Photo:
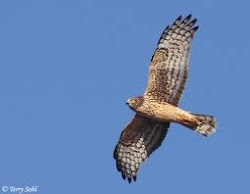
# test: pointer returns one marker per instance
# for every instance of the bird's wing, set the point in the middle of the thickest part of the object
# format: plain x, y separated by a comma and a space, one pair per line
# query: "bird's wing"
137, 141
168, 69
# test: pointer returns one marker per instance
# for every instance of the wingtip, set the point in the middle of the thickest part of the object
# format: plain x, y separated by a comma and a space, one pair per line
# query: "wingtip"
133, 179
178, 19
129, 178
195, 28
193, 22
189, 17
186, 20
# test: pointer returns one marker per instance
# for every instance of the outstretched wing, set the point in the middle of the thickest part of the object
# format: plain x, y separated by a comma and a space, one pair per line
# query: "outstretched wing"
138, 140
168, 69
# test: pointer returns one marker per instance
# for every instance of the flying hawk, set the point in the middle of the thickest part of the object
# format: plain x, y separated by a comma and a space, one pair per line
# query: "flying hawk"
158, 106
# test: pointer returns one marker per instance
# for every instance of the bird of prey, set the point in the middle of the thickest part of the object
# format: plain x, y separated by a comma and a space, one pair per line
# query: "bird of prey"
158, 106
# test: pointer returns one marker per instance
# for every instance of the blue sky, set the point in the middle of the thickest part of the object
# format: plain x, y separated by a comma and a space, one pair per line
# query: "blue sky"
67, 68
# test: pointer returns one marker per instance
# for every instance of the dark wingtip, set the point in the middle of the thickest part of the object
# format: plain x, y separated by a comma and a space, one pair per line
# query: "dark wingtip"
189, 17
129, 178
179, 18
195, 28
193, 21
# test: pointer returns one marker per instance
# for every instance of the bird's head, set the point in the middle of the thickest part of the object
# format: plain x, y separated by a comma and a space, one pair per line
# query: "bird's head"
134, 103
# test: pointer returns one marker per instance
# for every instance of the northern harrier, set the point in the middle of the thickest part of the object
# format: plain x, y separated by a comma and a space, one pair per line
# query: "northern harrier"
158, 106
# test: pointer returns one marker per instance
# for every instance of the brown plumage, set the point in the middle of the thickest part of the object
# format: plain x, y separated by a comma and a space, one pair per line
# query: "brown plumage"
168, 72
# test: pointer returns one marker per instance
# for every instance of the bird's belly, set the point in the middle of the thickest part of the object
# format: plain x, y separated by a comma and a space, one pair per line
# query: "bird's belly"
166, 114
161, 112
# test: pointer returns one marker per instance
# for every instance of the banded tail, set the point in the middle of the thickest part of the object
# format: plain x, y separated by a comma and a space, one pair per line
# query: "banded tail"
205, 124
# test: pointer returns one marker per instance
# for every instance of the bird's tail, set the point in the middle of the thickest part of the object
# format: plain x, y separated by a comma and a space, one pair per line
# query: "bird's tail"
204, 124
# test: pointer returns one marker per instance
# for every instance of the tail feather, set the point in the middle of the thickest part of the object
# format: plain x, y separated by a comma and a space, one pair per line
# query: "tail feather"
206, 125
203, 124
